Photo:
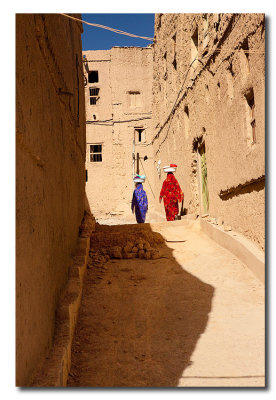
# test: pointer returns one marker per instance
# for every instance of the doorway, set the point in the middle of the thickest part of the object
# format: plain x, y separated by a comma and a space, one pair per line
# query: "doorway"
204, 194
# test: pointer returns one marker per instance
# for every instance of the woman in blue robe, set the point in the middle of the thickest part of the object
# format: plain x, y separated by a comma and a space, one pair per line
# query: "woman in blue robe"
139, 200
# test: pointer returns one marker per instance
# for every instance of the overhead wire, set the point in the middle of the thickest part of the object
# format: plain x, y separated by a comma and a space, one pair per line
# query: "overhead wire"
148, 178
253, 51
151, 39
109, 122
118, 31
173, 108
245, 51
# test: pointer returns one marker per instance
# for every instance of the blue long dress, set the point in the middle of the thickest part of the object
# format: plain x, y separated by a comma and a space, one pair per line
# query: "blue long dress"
140, 203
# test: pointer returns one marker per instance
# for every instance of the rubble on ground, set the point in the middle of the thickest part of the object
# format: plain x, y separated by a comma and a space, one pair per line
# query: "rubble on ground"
124, 246
141, 249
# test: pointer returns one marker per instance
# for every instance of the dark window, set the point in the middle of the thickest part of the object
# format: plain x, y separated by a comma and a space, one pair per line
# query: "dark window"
94, 95
194, 49
245, 47
95, 153
93, 77
174, 64
251, 103
195, 39
140, 132
94, 91
230, 67
186, 110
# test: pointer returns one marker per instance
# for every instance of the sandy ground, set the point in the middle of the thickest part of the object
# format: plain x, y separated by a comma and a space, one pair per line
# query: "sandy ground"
193, 318
151, 217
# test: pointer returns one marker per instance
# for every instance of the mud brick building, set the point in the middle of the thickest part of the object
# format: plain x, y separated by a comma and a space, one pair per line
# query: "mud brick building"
118, 96
209, 114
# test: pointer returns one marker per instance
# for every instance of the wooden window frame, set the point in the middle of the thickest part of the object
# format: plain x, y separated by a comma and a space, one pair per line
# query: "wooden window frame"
94, 96
95, 153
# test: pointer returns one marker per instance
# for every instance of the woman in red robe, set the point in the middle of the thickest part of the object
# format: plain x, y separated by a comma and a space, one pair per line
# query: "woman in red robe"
171, 194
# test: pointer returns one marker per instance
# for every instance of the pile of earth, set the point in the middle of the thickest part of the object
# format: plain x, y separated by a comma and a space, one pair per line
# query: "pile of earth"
124, 242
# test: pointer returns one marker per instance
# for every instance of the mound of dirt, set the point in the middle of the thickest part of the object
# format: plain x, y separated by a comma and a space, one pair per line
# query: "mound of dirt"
124, 242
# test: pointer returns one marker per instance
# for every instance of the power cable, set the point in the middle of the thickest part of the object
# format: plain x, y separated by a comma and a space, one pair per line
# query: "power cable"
217, 50
148, 178
173, 108
108, 28
106, 122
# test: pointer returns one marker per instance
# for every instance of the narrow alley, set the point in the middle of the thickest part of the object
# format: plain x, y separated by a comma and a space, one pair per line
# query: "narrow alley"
194, 317
140, 200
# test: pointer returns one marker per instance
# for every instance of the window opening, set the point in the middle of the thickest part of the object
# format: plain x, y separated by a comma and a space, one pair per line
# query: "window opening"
134, 98
251, 107
245, 57
230, 68
186, 110
140, 134
203, 179
205, 31
186, 121
245, 48
174, 63
218, 85
94, 95
230, 87
194, 48
93, 77
195, 39
95, 153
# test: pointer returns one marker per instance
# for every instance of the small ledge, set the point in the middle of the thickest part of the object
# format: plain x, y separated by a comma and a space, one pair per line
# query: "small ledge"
235, 190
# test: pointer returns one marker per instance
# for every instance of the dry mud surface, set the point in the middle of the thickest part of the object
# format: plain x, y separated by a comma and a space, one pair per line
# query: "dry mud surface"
194, 317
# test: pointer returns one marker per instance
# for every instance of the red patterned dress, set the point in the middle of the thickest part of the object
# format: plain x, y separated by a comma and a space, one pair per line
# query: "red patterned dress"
171, 194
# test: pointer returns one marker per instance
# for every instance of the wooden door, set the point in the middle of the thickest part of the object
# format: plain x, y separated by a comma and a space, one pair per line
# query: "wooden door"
204, 182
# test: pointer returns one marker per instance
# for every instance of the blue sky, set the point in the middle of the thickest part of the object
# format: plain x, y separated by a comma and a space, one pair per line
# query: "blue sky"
100, 39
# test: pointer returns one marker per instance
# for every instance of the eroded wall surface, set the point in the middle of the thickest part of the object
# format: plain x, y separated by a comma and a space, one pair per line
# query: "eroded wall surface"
121, 112
209, 89
50, 177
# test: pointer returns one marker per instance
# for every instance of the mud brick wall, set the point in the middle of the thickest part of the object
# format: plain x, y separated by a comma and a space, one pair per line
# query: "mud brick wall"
112, 122
50, 176
213, 102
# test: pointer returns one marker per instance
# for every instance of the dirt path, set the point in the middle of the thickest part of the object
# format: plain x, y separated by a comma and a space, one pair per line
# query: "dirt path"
192, 318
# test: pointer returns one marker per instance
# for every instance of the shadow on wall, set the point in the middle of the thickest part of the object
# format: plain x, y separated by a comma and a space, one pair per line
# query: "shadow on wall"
248, 187
140, 320
87, 209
